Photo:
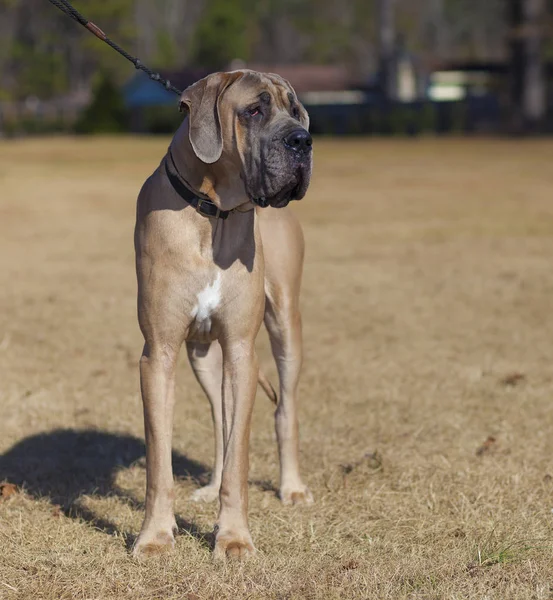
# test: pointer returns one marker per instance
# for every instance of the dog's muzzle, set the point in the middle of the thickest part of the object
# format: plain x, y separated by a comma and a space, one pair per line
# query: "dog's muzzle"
297, 148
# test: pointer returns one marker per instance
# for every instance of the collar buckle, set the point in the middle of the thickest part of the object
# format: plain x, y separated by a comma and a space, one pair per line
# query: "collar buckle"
216, 210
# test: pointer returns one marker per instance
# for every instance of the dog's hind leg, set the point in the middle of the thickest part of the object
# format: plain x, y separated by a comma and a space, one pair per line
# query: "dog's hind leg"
284, 249
283, 322
207, 363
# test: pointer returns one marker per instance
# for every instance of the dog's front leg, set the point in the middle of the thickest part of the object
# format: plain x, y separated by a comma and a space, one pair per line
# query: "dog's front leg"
240, 371
157, 382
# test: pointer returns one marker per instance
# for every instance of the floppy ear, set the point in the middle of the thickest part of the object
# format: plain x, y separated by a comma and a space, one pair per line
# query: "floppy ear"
203, 99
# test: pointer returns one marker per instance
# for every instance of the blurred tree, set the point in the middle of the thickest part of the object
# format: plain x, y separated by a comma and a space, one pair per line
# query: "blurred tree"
113, 16
107, 112
45, 53
164, 30
326, 38
34, 63
166, 55
222, 34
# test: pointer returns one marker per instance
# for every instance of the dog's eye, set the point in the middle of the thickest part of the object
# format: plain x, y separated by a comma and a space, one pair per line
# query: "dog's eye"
296, 112
253, 112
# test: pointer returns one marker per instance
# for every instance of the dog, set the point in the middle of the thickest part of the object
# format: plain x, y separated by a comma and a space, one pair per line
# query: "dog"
218, 252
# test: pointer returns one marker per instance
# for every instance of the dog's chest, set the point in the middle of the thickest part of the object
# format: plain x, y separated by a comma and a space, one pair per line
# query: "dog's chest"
207, 301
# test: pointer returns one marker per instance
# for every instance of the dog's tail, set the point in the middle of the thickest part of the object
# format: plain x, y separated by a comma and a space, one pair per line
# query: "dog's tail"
267, 387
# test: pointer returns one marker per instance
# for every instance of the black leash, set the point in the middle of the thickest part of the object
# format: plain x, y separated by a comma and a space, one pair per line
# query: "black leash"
203, 205
67, 9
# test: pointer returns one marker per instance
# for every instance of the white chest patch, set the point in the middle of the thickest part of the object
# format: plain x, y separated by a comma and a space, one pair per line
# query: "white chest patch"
208, 300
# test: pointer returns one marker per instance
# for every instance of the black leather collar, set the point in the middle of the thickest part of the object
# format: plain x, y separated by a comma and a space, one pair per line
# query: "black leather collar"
203, 205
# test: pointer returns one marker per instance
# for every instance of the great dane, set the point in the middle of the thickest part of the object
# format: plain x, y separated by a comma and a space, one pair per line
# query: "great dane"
217, 251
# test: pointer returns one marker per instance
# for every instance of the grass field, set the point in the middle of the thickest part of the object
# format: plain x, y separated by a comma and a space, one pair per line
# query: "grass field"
426, 396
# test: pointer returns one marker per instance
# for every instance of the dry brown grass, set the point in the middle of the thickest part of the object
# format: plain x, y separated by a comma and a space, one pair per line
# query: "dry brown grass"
426, 407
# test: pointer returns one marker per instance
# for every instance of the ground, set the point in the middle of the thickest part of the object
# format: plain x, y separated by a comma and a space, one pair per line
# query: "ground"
426, 397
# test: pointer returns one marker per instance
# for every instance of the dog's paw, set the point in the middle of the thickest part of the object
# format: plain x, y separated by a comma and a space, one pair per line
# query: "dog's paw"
233, 545
154, 540
147, 546
299, 494
208, 493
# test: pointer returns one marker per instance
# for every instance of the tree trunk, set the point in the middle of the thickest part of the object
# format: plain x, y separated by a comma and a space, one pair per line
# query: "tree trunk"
527, 70
534, 101
387, 50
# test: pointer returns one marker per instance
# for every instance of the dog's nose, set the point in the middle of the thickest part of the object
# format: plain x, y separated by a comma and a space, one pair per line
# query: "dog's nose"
299, 140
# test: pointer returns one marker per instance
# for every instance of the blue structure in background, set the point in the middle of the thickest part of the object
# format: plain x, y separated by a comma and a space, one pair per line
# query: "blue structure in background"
142, 96
142, 91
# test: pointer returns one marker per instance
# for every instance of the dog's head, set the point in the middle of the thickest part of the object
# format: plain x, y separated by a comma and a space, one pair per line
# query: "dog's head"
254, 126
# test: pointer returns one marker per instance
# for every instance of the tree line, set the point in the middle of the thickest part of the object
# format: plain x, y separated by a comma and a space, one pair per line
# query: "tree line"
44, 53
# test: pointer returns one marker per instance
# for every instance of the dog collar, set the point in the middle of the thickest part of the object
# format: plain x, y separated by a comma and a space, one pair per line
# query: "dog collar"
204, 206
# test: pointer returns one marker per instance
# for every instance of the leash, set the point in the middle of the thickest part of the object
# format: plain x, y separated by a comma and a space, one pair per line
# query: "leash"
202, 205
67, 9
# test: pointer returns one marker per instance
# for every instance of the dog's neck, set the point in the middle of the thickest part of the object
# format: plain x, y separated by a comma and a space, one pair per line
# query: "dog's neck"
226, 193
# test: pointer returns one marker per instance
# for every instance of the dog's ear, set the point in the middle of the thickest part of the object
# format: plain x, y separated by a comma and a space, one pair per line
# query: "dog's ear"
203, 99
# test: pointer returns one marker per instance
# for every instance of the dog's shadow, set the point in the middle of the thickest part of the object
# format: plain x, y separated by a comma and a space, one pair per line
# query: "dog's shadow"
65, 464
